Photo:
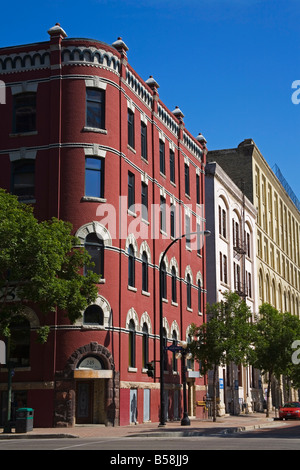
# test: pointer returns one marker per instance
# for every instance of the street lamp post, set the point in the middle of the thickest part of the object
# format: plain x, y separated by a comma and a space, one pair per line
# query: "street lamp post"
162, 350
184, 354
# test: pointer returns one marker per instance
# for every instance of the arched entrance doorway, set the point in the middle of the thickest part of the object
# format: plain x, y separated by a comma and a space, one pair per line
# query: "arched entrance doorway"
93, 387
91, 390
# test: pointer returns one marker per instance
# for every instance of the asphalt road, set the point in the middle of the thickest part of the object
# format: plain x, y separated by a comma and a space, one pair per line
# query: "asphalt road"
158, 450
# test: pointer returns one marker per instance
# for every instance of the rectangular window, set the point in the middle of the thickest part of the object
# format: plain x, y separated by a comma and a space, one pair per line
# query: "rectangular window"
162, 214
187, 179
188, 230
24, 113
130, 128
221, 266
224, 223
95, 108
23, 179
94, 177
144, 201
237, 277
249, 285
144, 152
131, 191
162, 157
198, 240
173, 221
172, 166
198, 188
248, 245
225, 268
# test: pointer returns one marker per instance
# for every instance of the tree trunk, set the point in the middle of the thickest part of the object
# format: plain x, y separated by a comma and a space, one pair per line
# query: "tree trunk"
215, 394
268, 394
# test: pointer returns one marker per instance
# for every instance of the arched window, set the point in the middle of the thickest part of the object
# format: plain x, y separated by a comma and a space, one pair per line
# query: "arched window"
95, 249
279, 298
131, 266
131, 345
145, 345
189, 362
260, 287
20, 342
199, 296
174, 360
144, 272
188, 291
174, 287
164, 280
93, 315
165, 338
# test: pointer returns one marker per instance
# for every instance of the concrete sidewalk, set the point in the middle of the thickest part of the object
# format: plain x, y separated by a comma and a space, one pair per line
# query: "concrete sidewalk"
226, 424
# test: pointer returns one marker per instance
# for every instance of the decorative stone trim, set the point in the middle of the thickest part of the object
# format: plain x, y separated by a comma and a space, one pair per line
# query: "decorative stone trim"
94, 227
65, 386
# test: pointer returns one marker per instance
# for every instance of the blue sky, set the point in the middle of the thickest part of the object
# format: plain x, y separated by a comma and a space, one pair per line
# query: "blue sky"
228, 64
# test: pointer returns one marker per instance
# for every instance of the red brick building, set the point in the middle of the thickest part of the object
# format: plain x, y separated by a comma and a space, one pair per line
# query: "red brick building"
85, 139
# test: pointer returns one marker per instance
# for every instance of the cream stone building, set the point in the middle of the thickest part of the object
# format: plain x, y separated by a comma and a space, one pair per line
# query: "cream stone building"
231, 266
277, 227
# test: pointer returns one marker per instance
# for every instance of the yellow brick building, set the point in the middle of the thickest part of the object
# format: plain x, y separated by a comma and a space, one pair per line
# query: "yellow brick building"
277, 225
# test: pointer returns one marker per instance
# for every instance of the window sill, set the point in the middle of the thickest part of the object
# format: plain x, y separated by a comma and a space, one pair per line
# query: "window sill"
162, 174
133, 214
144, 160
92, 199
17, 368
92, 327
175, 304
165, 300
28, 201
131, 148
132, 369
133, 289
223, 238
22, 134
147, 294
189, 309
94, 129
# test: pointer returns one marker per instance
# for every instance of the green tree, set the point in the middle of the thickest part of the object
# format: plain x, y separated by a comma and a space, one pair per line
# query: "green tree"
40, 264
226, 337
275, 333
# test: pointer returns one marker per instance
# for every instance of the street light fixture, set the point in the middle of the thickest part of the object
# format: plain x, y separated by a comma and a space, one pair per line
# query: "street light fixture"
162, 350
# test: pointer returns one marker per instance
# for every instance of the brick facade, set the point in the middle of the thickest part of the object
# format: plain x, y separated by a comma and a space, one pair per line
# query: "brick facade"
60, 145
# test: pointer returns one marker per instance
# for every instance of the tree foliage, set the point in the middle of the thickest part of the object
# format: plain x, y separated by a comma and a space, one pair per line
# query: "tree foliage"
275, 333
40, 264
226, 337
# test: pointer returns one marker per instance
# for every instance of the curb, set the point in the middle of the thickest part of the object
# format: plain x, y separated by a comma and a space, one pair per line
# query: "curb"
37, 436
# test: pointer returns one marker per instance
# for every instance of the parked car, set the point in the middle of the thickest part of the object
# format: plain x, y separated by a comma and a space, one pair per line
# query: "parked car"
290, 410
